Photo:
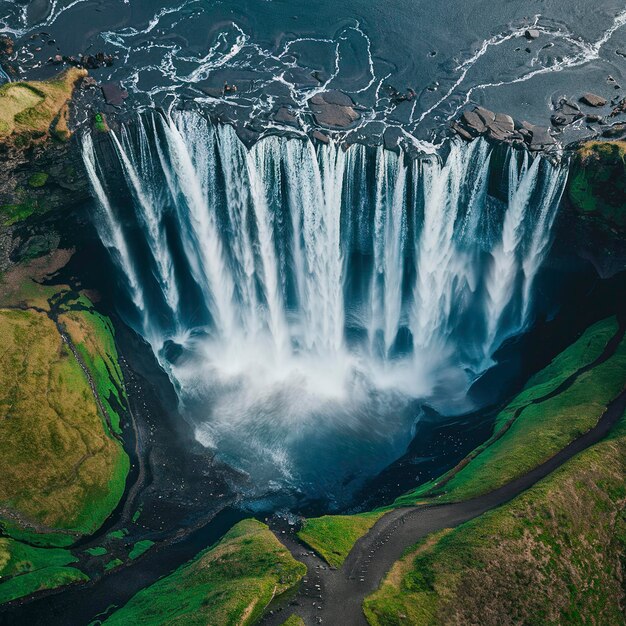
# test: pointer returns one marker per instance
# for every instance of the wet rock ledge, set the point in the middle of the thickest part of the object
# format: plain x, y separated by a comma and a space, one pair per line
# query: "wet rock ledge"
500, 127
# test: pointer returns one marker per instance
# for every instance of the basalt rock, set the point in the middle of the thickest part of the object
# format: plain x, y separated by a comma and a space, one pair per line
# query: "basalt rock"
592, 100
501, 128
333, 109
285, 116
566, 113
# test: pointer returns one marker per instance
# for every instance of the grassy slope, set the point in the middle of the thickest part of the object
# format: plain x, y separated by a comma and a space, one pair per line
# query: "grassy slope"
33, 107
28, 569
61, 469
541, 429
332, 536
554, 555
228, 584
539, 432
93, 336
33, 112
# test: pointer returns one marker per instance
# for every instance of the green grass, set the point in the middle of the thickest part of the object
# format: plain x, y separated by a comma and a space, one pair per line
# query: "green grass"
24, 568
294, 620
113, 564
118, 534
96, 551
541, 429
38, 179
553, 555
47, 578
228, 584
139, 548
30, 109
93, 336
332, 536
61, 469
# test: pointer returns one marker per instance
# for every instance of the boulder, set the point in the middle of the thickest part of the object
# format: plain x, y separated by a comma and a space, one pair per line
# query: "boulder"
114, 94
333, 109
459, 130
285, 116
531, 34
485, 115
392, 137
592, 100
540, 138
566, 113
318, 135
474, 123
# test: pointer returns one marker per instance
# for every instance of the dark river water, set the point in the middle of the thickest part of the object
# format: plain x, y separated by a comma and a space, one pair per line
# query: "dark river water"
450, 53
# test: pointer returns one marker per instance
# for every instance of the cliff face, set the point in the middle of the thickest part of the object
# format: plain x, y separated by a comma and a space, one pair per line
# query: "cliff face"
42, 171
594, 212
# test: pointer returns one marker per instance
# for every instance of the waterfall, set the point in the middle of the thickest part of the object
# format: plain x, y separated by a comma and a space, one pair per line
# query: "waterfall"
299, 285
274, 236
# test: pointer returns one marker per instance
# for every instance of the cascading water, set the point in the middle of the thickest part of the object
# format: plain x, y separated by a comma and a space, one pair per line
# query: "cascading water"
304, 299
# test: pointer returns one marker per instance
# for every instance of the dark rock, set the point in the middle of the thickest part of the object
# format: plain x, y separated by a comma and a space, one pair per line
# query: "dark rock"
485, 115
334, 109
566, 113
459, 130
616, 131
592, 100
474, 123
528, 50
541, 139
531, 34
285, 116
213, 92
593, 119
114, 94
619, 108
318, 135
333, 97
392, 137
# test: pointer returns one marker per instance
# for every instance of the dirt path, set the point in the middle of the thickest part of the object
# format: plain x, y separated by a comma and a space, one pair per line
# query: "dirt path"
336, 596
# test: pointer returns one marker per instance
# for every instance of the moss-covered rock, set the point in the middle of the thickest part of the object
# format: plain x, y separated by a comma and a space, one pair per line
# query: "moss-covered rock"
597, 181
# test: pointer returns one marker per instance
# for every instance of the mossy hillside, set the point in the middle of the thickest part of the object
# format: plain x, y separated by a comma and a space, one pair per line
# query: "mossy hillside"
333, 536
554, 555
541, 428
226, 585
61, 468
37, 109
597, 183
46, 578
93, 336
294, 620
25, 569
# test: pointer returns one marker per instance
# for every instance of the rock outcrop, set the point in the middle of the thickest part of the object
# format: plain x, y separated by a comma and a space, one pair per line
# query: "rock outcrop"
42, 170
499, 127
333, 109
592, 100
